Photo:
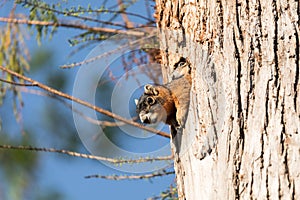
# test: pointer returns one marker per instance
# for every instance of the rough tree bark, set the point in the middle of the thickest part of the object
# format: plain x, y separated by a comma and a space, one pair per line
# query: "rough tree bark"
241, 139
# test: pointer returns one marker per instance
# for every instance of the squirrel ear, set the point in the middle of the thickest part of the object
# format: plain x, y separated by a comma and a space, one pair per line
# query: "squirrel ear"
150, 89
155, 91
136, 101
147, 88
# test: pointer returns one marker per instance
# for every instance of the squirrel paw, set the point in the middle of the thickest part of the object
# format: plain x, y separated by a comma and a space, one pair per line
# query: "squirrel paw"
181, 118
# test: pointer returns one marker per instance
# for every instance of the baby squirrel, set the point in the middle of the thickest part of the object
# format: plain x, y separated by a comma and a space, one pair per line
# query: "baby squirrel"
170, 102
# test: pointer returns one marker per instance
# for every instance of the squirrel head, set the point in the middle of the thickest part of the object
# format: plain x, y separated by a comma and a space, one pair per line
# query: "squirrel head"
181, 68
155, 104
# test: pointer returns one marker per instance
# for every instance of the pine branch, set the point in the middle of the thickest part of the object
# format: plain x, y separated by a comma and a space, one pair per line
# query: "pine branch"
71, 25
75, 13
84, 103
72, 14
126, 46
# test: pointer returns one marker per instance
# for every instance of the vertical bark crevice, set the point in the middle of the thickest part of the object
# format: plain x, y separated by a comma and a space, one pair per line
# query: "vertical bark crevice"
275, 49
247, 8
251, 184
262, 145
237, 17
279, 188
297, 60
258, 35
293, 190
282, 133
267, 182
265, 132
214, 138
238, 154
230, 132
287, 171
179, 15
275, 39
251, 63
220, 27
267, 107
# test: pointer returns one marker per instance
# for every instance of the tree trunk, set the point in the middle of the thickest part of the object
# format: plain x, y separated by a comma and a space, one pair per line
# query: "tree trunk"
241, 139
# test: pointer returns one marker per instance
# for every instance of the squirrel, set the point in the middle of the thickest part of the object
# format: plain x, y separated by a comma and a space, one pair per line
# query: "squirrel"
169, 102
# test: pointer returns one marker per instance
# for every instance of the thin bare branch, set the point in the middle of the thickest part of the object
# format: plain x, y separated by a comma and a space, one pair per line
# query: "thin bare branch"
84, 103
125, 18
87, 156
17, 84
131, 177
71, 25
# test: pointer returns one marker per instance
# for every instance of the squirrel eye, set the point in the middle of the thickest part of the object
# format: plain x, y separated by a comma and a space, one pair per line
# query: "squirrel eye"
181, 64
150, 100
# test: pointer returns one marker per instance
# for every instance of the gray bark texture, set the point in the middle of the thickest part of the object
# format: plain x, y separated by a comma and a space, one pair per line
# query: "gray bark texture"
241, 139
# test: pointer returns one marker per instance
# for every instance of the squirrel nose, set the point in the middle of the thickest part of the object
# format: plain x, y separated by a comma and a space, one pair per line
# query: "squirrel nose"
146, 120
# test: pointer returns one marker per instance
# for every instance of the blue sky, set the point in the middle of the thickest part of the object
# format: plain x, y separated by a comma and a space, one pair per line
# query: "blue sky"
61, 172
